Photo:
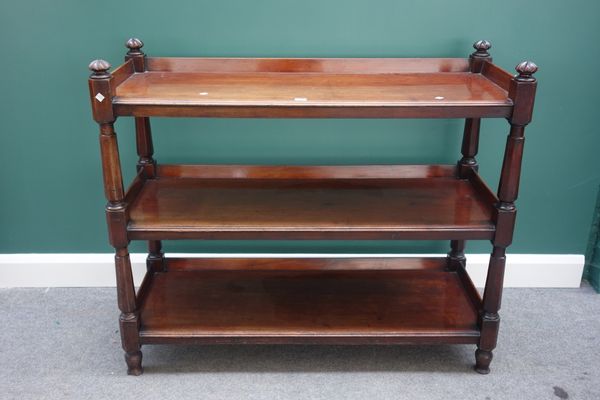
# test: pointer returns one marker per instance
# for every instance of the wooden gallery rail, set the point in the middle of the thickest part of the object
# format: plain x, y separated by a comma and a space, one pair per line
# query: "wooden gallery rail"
308, 300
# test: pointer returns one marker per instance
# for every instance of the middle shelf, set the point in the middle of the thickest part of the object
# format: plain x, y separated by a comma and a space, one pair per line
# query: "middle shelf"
378, 202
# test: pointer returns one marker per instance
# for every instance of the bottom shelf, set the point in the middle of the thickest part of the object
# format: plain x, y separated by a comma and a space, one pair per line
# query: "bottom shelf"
344, 301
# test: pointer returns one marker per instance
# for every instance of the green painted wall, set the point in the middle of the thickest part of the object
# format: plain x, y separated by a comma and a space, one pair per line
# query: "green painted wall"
51, 198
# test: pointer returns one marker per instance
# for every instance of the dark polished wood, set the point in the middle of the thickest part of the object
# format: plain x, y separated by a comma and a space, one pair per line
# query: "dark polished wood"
308, 306
313, 111
480, 56
307, 264
456, 256
101, 92
204, 171
116, 212
307, 65
497, 75
135, 54
312, 300
284, 89
122, 73
316, 208
467, 166
522, 92
308, 88
313, 94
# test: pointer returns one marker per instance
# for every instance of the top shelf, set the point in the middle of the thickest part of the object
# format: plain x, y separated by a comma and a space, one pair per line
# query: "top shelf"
311, 88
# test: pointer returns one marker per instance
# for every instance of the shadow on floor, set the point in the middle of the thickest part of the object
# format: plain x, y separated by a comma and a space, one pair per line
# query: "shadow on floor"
252, 358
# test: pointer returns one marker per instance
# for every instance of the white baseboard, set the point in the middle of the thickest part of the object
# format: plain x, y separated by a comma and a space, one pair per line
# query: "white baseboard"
93, 270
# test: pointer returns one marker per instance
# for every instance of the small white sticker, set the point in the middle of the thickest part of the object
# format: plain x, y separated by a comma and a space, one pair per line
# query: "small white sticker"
439, 97
99, 97
300, 99
203, 93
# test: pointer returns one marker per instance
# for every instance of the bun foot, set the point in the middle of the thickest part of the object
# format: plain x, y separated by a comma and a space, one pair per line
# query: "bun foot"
483, 358
134, 363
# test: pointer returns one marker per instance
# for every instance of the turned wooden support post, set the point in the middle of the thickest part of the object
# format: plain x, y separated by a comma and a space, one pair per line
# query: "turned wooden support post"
456, 257
101, 98
470, 143
522, 92
469, 149
145, 148
155, 262
143, 134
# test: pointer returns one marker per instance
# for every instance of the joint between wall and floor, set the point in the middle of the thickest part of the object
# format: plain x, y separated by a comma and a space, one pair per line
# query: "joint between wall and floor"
97, 270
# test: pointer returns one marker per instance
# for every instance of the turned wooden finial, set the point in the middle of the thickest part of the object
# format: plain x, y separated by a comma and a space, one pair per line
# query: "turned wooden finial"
481, 49
526, 69
99, 69
134, 45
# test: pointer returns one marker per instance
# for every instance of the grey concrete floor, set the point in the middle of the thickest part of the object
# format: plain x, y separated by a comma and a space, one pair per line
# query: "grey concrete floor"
64, 344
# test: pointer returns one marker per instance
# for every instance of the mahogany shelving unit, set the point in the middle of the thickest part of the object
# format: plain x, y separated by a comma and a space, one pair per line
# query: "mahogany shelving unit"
307, 300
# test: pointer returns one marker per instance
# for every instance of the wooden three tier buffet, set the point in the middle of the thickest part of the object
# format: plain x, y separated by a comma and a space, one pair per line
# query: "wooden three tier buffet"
309, 300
